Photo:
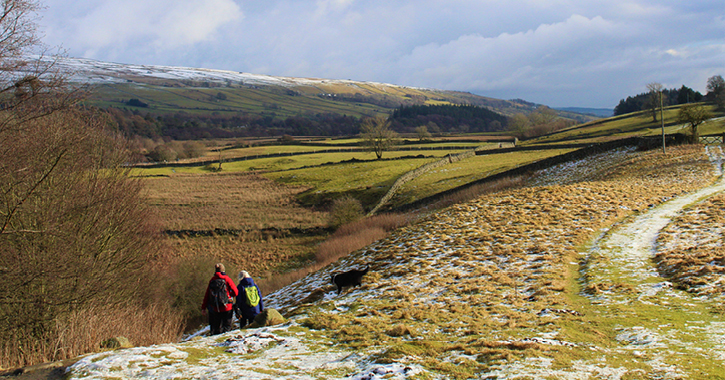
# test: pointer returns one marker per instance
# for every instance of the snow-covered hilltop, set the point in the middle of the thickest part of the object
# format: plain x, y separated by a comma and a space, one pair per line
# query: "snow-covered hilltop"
89, 70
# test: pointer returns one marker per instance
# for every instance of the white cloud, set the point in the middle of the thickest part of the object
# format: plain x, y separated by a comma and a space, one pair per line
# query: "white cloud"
116, 27
489, 63
553, 52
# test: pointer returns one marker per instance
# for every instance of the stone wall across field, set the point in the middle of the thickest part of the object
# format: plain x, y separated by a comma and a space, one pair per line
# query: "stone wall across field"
409, 176
585, 150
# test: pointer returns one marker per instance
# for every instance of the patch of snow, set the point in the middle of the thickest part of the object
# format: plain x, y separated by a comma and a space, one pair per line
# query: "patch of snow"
251, 354
640, 336
389, 371
88, 70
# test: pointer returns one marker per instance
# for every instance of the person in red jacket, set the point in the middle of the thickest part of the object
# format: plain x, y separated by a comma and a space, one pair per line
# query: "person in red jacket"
218, 301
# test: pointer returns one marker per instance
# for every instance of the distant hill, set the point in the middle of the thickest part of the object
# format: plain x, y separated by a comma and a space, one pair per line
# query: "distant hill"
598, 112
191, 103
170, 89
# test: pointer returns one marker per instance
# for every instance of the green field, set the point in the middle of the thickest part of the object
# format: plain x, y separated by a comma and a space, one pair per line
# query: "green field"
463, 172
636, 124
201, 101
329, 173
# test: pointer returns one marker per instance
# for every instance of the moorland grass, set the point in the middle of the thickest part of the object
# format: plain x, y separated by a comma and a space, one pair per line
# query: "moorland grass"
697, 266
259, 101
520, 257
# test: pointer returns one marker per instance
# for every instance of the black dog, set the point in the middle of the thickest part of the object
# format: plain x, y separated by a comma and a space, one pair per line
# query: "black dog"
349, 278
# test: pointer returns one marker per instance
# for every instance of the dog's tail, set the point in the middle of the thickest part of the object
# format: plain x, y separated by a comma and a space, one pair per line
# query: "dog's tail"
332, 278
364, 271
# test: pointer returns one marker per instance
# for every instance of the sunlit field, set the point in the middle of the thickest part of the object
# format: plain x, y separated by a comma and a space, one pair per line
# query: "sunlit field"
467, 171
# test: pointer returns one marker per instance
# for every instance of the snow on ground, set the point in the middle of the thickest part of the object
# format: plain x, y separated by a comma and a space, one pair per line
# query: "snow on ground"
263, 353
456, 243
107, 72
631, 247
582, 169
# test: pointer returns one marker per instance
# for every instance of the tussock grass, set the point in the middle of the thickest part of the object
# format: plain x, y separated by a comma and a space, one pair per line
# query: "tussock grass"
477, 274
700, 267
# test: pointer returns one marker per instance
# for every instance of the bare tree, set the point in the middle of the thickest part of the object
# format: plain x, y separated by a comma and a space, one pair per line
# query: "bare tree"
716, 91
422, 132
74, 232
520, 124
655, 102
24, 79
542, 115
377, 135
694, 114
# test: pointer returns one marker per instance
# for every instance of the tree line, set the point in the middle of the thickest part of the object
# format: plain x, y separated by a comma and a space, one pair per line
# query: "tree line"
405, 119
186, 126
447, 118
683, 95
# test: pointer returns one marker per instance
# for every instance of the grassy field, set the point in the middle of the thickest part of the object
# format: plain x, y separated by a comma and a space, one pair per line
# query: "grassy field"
259, 101
637, 124
261, 200
460, 173
245, 205
227, 201
292, 162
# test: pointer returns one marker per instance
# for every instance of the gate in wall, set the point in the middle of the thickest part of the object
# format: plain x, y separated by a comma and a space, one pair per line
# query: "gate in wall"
712, 139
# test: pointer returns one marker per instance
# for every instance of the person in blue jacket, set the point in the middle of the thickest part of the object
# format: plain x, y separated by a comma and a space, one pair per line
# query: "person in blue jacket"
249, 299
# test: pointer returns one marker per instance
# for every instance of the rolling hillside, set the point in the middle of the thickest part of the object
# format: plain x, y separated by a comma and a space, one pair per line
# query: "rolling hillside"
165, 89
525, 283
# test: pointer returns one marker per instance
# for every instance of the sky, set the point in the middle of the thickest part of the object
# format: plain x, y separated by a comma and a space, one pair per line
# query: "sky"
561, 53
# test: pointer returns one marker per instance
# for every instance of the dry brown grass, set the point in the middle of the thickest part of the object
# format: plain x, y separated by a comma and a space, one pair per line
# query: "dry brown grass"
698, 267
85, 330
227, 201
476, 191
346, 239
488, 266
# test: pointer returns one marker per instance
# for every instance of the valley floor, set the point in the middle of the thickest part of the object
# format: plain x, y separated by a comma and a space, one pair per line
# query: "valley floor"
557, 279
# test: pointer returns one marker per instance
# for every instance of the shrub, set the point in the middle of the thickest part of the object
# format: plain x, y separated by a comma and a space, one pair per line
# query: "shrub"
89, 329
193, 149
77, 235
162, 153
345, 210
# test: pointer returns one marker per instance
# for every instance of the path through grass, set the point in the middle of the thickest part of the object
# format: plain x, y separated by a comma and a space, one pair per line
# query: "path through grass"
654, 321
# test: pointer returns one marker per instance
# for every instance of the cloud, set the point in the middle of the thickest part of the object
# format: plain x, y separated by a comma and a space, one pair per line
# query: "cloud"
116, 27
490, 63
553, 52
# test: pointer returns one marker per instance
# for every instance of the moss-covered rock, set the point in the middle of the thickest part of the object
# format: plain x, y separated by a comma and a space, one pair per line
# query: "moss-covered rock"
116, 342
269, 317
